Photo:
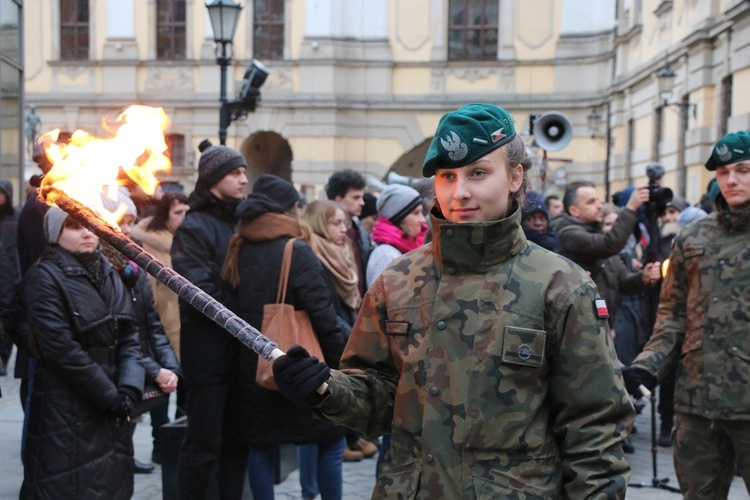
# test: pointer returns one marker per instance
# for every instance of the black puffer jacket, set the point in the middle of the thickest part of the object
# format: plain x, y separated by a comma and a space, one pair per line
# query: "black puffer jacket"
208, 353
87, 348
270, 417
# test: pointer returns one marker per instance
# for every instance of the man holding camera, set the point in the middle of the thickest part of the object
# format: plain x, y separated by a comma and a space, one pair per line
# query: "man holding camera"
703, 325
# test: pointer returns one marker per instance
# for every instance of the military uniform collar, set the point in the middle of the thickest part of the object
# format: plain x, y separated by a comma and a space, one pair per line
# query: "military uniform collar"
732, 221
475, 247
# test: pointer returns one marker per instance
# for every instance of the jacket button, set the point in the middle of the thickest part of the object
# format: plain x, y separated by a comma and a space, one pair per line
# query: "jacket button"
430, 458
434, 391
441, 325
451, 270
449, 233
716, 299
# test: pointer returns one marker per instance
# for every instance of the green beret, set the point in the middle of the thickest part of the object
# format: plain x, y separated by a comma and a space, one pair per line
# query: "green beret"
467, 134
731, 148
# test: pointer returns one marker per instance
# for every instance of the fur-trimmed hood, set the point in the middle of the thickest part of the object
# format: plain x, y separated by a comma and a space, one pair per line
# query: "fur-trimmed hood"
160, 240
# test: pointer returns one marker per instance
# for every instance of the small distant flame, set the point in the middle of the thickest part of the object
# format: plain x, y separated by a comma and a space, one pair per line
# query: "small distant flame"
664, 268
88, 166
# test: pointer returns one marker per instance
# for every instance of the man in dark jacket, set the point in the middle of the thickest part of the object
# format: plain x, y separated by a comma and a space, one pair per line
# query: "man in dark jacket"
210, 356
535, 222
579, 233
347, 189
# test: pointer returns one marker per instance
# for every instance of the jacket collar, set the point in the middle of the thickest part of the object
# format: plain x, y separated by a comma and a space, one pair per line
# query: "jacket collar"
729, 220
69, 264
475, 247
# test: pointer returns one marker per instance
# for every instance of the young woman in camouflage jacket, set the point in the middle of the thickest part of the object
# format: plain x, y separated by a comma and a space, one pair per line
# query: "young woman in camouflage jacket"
488, 359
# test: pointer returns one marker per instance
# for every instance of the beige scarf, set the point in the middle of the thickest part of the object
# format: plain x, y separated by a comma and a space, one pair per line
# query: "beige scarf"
339, 262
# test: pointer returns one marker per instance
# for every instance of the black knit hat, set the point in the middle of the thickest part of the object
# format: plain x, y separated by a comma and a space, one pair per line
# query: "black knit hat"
370, 206
216, 162
270, 194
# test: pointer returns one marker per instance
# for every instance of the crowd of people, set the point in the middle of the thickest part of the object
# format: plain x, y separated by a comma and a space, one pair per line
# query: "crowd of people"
486, 339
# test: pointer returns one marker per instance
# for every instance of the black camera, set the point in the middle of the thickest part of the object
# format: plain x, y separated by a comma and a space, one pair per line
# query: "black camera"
659, 197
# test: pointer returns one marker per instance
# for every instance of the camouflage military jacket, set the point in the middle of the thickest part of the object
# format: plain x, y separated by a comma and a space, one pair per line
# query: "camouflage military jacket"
482, 354
703, 321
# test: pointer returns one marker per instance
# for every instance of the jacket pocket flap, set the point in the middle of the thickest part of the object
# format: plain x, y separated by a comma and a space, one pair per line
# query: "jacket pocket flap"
523, 346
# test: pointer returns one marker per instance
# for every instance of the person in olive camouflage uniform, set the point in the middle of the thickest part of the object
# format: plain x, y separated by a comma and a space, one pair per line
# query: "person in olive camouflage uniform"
703, 325
483, 354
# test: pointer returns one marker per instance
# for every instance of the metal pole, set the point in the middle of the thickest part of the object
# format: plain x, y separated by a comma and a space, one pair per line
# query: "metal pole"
223, 61
607, 154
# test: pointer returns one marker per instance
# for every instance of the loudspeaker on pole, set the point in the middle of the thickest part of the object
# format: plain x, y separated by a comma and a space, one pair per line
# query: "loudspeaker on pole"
553, 131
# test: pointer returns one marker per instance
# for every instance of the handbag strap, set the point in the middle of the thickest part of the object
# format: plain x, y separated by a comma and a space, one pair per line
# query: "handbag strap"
286, 265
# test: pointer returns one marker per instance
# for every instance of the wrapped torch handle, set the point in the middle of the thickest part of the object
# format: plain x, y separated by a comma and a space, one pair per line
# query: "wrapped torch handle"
187, 291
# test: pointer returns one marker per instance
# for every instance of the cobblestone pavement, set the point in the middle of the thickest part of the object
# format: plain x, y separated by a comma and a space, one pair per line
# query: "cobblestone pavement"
359, 477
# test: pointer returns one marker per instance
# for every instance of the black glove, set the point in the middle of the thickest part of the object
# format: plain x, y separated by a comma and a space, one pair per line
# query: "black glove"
298, 376
123, 406
635, 377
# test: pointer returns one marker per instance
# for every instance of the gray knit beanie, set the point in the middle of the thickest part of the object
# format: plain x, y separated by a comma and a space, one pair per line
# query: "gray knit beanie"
53, 223
216, 162
397, 201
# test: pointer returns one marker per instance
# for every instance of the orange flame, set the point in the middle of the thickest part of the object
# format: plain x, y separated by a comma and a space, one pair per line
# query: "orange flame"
664, 268
88, 166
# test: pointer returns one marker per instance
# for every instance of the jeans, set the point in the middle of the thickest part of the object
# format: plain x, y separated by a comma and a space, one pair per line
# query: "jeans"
159, 417
261, 471
320, 469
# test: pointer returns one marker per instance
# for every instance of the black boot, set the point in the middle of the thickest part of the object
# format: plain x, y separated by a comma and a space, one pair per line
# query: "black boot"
665, 437
141, 468
627, 446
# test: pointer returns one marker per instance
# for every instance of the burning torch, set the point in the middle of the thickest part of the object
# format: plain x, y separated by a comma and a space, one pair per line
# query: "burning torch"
81, 170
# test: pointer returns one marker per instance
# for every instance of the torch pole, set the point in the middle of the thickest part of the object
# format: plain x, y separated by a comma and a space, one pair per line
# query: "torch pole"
187, 291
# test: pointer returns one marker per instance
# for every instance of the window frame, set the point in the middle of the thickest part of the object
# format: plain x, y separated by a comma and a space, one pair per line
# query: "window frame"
487, 25
80, 31
171, 52
263, 44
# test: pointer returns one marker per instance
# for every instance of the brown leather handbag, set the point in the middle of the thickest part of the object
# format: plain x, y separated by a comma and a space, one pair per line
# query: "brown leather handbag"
284, 325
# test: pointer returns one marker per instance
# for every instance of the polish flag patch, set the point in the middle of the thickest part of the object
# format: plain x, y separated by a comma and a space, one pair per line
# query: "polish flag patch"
601, 308
497, 134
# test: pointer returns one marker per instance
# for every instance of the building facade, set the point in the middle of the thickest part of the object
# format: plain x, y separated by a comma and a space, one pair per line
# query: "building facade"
12, 123
361, 84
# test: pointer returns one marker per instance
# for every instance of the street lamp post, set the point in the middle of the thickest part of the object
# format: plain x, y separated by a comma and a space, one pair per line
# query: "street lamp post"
594, 120
224, 15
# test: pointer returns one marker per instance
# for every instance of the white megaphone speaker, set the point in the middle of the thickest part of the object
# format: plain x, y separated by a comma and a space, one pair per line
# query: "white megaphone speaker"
375, 184
553, 131
394, 178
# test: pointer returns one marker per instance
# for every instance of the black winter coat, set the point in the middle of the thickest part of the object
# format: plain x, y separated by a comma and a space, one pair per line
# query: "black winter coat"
270, 417
208, 353
585, 244
87, 348
156, 350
